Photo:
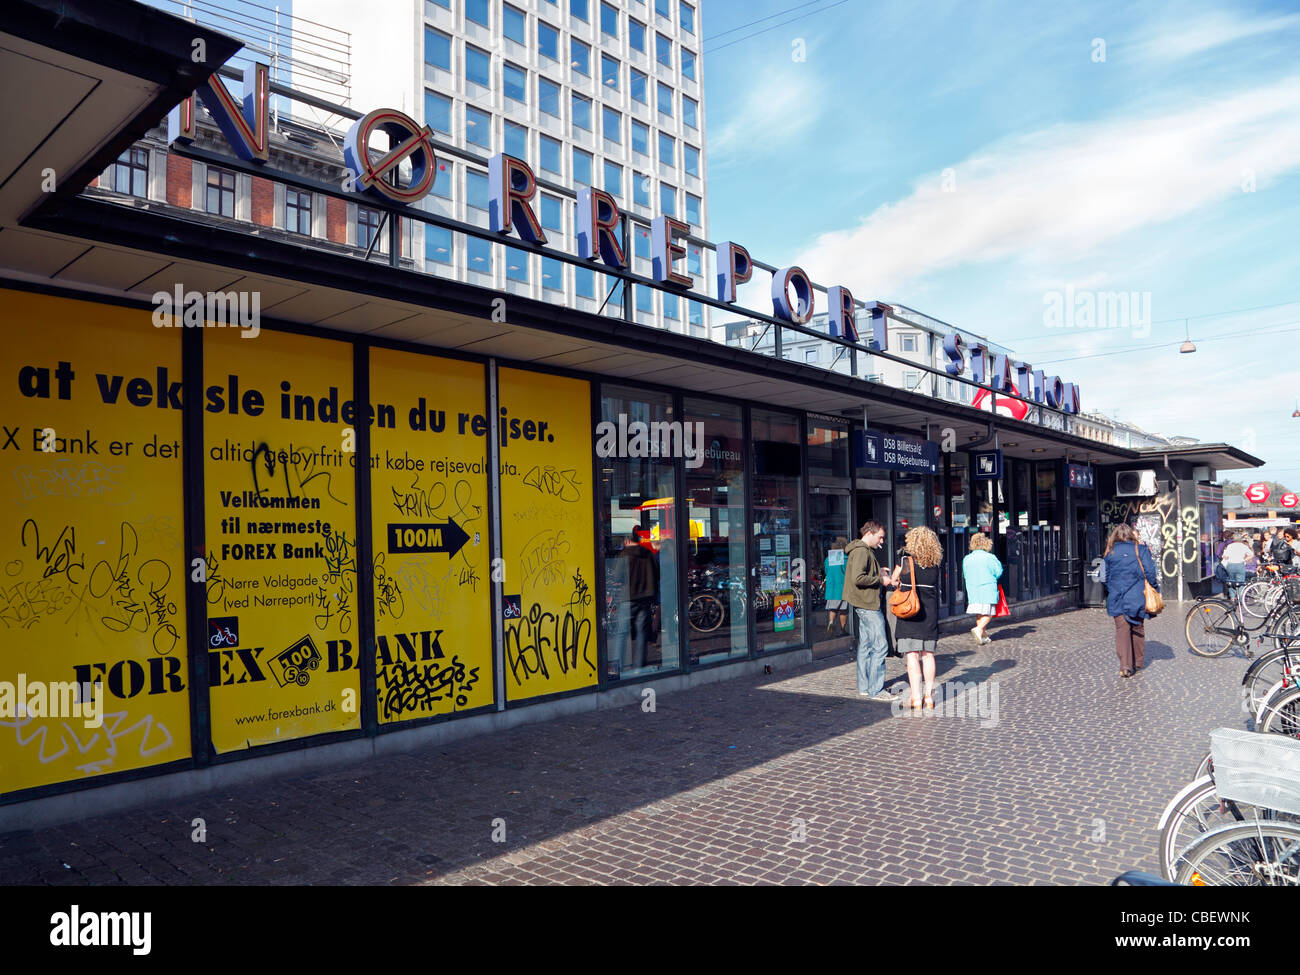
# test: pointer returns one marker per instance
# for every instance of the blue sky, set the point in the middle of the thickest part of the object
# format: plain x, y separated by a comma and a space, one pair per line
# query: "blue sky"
974, 159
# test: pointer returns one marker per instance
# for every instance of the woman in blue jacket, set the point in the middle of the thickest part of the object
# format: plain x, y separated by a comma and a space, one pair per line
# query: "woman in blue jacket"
981, 571
1129, 566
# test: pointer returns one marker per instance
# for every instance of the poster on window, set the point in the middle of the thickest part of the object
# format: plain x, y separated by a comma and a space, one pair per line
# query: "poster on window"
94, 676
429, 513
547, 532
783, 612
279, 488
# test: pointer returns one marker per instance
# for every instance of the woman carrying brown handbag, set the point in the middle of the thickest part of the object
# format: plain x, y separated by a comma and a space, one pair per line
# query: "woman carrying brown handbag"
917, 635
1129, 569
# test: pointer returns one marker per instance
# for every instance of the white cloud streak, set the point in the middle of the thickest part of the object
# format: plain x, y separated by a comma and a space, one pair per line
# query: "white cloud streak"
778, 110
1061, 193
1209, 32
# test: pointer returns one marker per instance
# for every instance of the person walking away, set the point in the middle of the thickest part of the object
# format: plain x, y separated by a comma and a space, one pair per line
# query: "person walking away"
918, 636
837, 606
863, 584
1236, 555
642, 594
981, 571
1129, 566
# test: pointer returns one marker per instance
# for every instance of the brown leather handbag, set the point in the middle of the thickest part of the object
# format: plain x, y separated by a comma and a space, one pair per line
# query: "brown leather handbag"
1155, 602
906, 603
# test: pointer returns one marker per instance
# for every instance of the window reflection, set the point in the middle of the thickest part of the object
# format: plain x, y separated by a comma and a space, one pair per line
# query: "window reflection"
715, 495
778, 530
640, 548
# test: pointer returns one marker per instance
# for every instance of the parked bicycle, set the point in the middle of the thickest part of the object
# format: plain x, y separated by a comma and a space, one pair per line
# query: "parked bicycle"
1262, 596
1216, 624
1240, 826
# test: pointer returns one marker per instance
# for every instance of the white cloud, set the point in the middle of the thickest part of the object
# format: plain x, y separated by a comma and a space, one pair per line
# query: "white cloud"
780, 108
1061, 193
1211, 31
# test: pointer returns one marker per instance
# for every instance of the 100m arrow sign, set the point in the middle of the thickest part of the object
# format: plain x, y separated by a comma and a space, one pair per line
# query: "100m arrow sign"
435, 536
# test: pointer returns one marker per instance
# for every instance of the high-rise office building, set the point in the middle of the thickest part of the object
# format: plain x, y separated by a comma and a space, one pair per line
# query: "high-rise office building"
603, 93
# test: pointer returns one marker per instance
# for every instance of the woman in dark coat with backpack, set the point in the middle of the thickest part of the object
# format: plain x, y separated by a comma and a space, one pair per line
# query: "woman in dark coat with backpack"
1129, 566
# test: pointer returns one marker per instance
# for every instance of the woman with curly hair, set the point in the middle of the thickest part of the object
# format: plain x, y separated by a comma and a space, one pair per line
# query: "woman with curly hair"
917, 636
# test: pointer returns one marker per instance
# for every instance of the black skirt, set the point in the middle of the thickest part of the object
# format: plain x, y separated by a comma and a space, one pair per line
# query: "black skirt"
925, 624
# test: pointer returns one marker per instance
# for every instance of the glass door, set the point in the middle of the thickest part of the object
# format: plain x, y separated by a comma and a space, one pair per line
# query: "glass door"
829, 533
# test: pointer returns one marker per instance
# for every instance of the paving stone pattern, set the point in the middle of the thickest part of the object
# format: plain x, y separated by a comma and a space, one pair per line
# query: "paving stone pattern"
788, 778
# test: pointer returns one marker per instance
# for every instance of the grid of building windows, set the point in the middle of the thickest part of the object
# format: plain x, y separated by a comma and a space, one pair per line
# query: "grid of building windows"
590, 93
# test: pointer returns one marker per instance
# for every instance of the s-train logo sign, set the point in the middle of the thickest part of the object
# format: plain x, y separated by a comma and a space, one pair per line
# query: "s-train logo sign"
512, 187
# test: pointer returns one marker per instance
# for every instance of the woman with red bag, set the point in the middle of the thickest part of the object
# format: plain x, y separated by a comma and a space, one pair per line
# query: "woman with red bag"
981, 571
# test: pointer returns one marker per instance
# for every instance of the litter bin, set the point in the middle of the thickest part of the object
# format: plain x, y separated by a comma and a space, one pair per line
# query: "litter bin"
1094, 589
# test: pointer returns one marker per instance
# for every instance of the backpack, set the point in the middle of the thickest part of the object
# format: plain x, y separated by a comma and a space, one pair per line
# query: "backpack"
1280, 549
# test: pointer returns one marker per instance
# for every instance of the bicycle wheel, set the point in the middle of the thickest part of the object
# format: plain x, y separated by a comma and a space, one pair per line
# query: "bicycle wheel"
1254, 854
1254, 597
705, 613
1280, 713
1195, 811
1211, 628
1272, 669
1282, 627
1205, 766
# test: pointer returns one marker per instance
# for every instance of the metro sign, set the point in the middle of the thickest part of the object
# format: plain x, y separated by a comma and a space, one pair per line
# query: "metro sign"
1010, 406
1288, 500
1258, 493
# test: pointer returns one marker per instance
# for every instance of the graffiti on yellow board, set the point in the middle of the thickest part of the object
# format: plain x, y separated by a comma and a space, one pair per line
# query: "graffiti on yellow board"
92, 558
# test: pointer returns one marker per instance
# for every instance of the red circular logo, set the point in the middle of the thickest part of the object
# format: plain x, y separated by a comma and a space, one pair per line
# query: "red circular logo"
1257, 493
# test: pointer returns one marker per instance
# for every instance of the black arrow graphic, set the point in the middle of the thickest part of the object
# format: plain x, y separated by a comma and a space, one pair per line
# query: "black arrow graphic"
430, 536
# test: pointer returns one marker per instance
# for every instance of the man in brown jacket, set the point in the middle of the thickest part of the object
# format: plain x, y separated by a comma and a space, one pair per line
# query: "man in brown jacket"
864, 583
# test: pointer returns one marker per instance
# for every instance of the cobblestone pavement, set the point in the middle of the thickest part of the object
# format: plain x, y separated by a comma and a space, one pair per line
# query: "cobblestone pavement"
789, 778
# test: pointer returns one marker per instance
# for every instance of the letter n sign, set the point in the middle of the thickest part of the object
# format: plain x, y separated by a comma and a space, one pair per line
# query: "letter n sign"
245, 125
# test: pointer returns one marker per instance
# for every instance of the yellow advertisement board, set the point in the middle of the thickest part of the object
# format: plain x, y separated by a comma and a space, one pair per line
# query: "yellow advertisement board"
429, 518
93, 671
280, 521
547, 533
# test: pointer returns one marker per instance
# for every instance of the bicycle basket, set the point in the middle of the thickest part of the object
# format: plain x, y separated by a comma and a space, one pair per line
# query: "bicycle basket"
1292, 587
1261, 769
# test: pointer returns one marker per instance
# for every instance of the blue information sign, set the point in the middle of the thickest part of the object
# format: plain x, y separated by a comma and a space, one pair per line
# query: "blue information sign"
895, 452
988, 465
1080, 476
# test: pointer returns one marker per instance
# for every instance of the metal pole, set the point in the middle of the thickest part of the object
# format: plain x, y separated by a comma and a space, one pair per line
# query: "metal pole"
497, 587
